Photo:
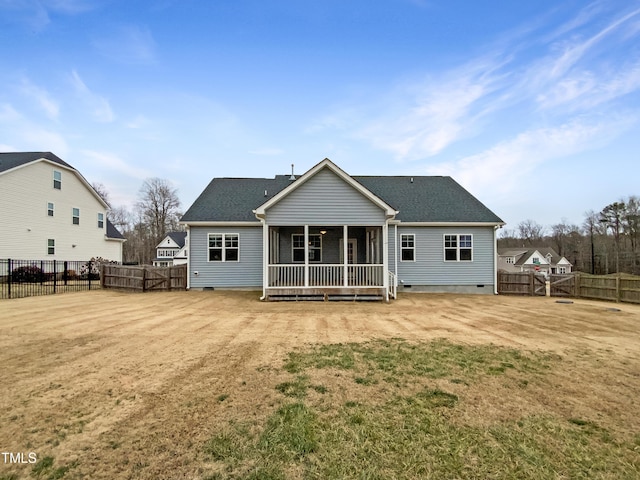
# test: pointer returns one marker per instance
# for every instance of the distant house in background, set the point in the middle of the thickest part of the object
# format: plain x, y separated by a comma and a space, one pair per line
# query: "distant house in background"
172, 250
543, 260
48, 211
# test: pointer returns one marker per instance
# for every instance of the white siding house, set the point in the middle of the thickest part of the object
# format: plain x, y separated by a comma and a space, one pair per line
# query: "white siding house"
48, 211
172, 250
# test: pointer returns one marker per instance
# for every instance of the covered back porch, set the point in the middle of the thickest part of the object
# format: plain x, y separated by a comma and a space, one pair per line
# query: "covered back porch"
310, 260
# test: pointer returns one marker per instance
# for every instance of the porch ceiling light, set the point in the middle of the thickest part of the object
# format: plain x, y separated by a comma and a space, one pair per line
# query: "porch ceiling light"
323, 231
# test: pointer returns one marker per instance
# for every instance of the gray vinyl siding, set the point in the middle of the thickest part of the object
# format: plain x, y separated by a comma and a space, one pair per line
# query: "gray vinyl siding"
429, 267
392, 248
245, 273
325, 199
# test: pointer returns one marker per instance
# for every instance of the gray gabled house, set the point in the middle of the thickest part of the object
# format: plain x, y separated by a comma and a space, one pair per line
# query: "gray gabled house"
329, 233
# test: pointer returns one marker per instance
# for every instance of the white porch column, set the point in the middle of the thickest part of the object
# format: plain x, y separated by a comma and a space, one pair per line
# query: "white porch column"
345, 257
385, 259
306, 255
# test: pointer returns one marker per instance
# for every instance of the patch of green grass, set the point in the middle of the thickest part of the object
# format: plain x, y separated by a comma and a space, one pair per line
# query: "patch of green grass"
290, 432
405, 425
296, 388
42, 465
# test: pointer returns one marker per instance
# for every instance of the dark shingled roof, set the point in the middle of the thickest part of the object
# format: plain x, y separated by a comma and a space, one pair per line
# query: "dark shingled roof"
178, 237
16, 159
113, 232
426, 199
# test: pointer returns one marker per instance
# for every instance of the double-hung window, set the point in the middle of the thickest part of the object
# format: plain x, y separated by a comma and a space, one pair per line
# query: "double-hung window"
49, 209
315, 247
101, 220
57, 180
407, 247
51, 246
75, 216
224, 247
458, 248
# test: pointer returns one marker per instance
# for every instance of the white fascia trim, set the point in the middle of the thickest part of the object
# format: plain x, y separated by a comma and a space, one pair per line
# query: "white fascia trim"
450, 224
326, 163
221, 224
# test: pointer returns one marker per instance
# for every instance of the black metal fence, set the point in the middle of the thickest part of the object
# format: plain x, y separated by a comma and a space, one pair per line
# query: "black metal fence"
26, 278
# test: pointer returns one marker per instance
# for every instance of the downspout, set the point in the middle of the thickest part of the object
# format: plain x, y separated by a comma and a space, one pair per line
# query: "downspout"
188, 243
495, 259
265, 254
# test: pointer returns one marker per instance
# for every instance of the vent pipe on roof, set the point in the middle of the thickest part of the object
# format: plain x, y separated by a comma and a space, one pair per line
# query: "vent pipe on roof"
292, 177
411, 179
266, 194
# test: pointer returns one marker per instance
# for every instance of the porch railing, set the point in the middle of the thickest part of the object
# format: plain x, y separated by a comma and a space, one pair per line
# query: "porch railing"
326, 275
393, 285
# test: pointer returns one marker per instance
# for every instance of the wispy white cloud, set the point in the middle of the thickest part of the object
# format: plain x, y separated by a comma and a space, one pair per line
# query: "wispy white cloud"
42, 98
36, 13
140, 121
113, 163
131, 44
98, 105
440, 112
27, 135
525, 82
507, 166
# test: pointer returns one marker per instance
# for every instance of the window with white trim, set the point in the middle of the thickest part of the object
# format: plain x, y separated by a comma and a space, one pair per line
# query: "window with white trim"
224, 247
458, 248
562, 270
49, 209
75, 216
297, 247
51, 246
167, 252
57, 180
100, 220
509, 259
408, 247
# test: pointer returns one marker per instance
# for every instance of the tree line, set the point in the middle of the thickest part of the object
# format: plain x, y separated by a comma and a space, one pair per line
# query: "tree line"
606, 242
155, 213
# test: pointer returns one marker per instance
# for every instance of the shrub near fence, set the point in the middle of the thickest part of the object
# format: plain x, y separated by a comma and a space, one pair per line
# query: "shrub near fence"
26, 278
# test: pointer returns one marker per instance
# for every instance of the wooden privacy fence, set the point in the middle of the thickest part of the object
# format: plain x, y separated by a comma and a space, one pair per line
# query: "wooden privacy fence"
617, 288
144, 278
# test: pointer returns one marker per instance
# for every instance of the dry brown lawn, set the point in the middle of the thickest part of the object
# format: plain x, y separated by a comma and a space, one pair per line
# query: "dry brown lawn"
118, 385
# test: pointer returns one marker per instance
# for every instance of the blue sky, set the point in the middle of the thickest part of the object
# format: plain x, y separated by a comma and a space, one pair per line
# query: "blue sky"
532, 106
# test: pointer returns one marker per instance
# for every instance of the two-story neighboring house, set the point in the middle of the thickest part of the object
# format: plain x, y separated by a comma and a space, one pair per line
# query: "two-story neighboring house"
544, 260
172, 250
48, 211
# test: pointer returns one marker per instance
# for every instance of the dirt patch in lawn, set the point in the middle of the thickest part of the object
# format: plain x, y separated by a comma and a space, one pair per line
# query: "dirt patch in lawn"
116, 385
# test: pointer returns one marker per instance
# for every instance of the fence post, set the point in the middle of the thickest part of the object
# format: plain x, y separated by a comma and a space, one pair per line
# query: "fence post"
10, 275
532, 285
55, 276
102, 269
576, 287
89, 274
618, 293
65, 274
144, 278
41, 274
